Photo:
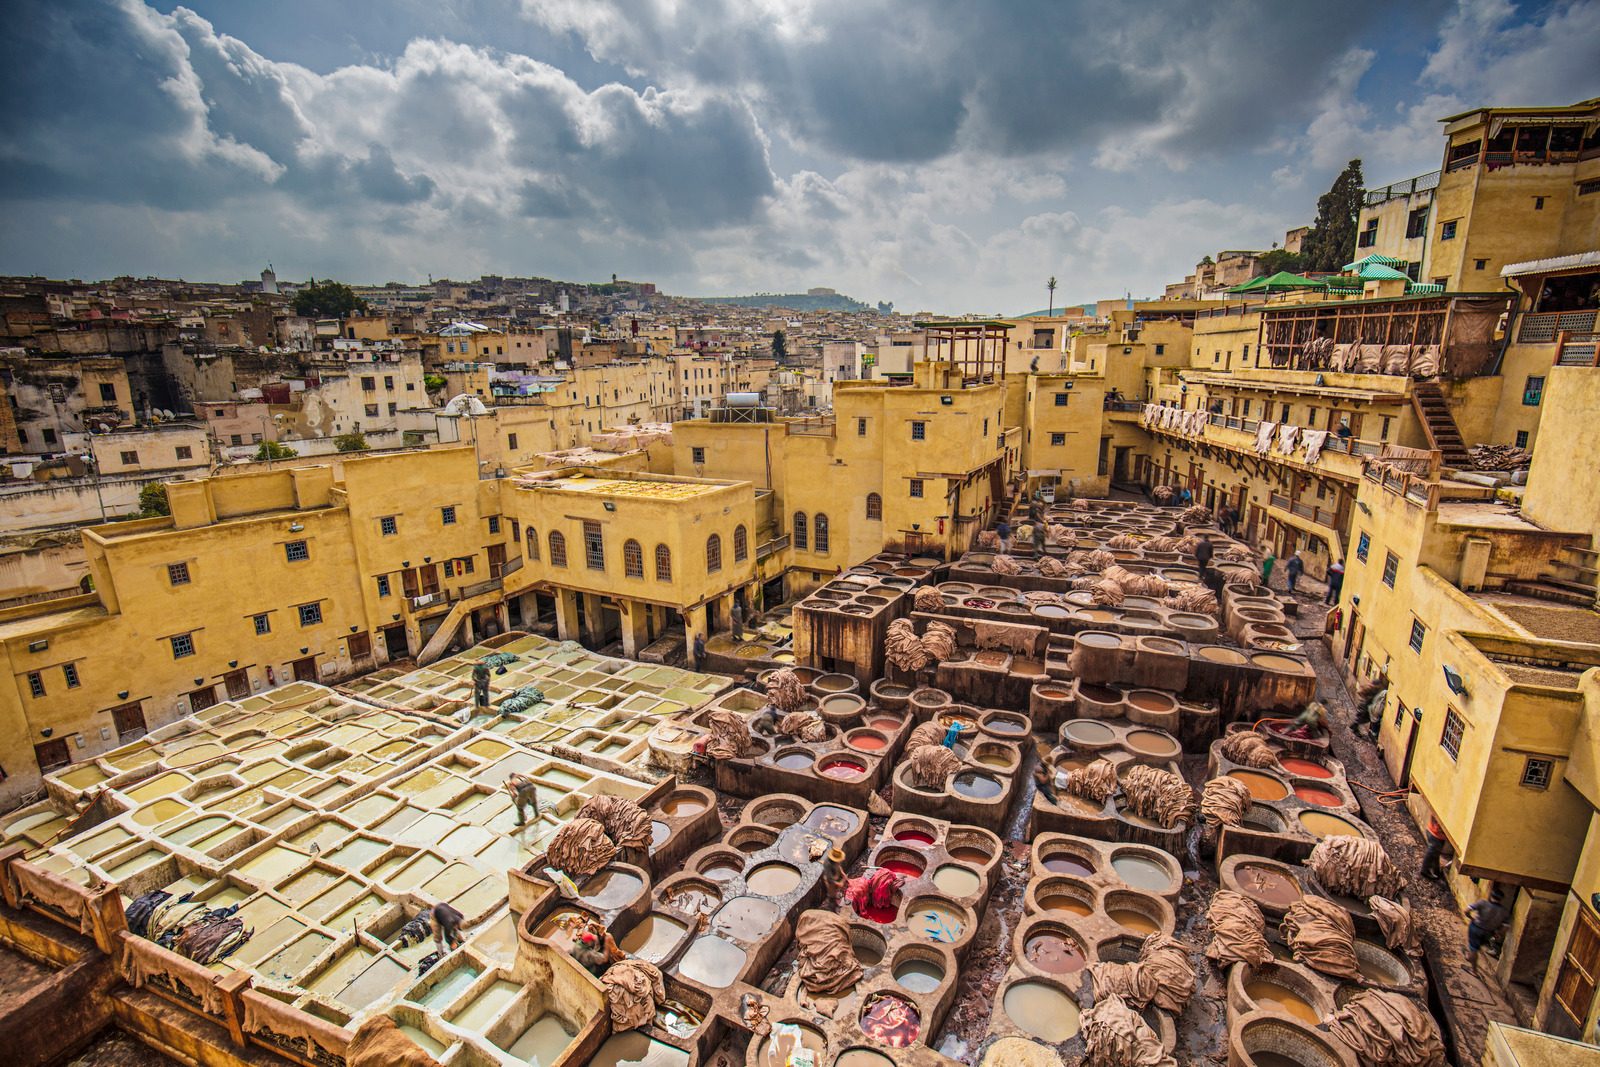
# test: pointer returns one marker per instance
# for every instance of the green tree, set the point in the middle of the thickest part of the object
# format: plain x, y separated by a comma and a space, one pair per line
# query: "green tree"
273, 450
1332, 240
433, 383
1278, 259
780, 346
153, 501
351, 442
327, 300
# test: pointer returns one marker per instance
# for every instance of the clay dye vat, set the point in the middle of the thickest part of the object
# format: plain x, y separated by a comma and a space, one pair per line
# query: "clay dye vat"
918, 975
610, 889
794, 761
968, 854
1304, 768
1261, 786
1054, 954
712, 962
1322, 798
936, 921
866, 740
653, 939
772, 879
540, 1044
862, 1057
1042, 1010
914, 838
1136, 921
486, 1005
635, 1049
1066, 905
1087, 732
1153, 745
1322, 824
891, 1019
954, 880
841, 768
683, 805
977, 786
788, 1038
1275, 997
747, 918
830, 821
902, 864
1067, 863
1141, 872
1268, 885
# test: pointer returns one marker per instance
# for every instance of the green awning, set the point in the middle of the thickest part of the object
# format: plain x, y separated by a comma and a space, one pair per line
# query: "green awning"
1382, 261
1277, 283
1377, 272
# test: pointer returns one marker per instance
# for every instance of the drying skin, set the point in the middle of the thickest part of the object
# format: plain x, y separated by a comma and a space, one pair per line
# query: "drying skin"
903, 648
1398, 923
828, 965
1196, 599
1238, 931
1051, 567
1095, 782
1115, 1036
1162, 976
1199, 515
1355, 867
625, 822
928, 733
785, 690
803, 726
1388, 1030
1005, 565
931, 765
1322, 936
1249, 748
381, 1043
1224, 802
927, 598
1158, 795
633, 989
580, 848
1123, 540
729, 735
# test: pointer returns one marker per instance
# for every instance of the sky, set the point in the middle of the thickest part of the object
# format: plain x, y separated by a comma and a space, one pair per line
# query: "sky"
946, 155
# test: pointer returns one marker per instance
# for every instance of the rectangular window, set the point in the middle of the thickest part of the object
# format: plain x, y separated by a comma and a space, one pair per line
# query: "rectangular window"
108, 393
1399, 712
1533, 391
449, 568
494, 524
389, 525
1589, 188
447, 514
1450, 736
383, 585
916, 487
1058, 439
1537, 772
1161, 350
388, 381
1416, 223
393, 407
594, 546
178, 573
262, 623
1061, 399
1447, 231
1363, 546
1391, 566
296, 551
371, 411
1419, 633
697, 455
310, 614
185, 452
69, 671
36, 683
1522, 439
919, 431
49, 436
861, 427
511, 441
182, 645
369, 384
130, 459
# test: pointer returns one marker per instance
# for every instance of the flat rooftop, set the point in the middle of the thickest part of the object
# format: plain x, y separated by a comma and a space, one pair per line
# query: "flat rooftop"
637, 488
1484, 515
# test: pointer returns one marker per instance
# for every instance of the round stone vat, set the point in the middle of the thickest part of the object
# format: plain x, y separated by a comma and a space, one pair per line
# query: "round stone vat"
863, 739
1098, 701
1062, 896
1044, 1008
1048, 944
1152, 707
751, 839
1147, 869
1140, 914
891, 695
777, 812
1268, 1040
903, 860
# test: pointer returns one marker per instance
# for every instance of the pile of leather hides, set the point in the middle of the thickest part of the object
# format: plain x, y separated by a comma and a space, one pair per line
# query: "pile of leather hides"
580, 848
1224, 801
1238, 930
1005, 565
1321, 936
1386, 1029
633, 989
625, 822
1115, 1036
928, 598
1095, 782
1355, 867
1162, 976
1158, 795
803, 726
729, 735
828, 964
785, 690
1248, 748
1398, 923
931, 765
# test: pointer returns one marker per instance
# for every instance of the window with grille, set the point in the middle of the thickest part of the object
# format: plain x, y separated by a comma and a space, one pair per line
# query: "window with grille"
185, 452
130, 458
558, 549
819, 533
1061, 399
182, 645
1580, 968
861, 427
874, 507
1418, 633
1399, 712
310, 614
633, 559
494, 524
36, 683
69, 671
714, 553
697, 455
1363, 546
916, 487
296, 552
800, 541
178, 573
1537, 772
1058, 439
388, 526
594, 546
263, 624
447, 514
449, 568
1533, 390
1391, 567
741, 544
1450, 736
533, 543
663, 563
919, 431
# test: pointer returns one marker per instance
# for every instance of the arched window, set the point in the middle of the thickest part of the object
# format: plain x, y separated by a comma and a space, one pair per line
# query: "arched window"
874, 507
713, 553
558, 549
632, 559
663, 563
533, 544
741, 544
800, 530
819, 531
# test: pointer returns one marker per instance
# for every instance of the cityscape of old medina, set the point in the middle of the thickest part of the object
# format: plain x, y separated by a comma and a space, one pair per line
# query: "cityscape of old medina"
900, 533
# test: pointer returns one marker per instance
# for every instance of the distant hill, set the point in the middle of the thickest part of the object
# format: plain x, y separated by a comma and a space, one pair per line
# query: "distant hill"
793, 301
1043, 312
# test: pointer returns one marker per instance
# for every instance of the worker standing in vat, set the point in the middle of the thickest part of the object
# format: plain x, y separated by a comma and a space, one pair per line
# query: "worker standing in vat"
525, 794
1203, 553
1312, 722
447, 927
480, 684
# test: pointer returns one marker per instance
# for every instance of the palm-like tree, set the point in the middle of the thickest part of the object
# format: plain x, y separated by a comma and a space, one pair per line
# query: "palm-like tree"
1051, 285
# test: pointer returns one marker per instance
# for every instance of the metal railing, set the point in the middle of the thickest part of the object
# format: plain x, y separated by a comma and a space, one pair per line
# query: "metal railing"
1542, 327
1420, 184
776, 544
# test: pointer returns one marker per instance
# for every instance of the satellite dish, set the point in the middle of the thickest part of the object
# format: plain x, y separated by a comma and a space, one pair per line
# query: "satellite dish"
465, 404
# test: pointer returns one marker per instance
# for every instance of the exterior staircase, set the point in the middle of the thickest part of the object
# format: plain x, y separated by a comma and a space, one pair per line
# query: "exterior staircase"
1570, 579
1438, 425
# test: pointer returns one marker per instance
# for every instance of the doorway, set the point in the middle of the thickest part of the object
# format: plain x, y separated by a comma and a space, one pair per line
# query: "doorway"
237, 684
52, 754
129, 721
497, 560
394, 642
305, 670
1413, 727
202, 698
430, 579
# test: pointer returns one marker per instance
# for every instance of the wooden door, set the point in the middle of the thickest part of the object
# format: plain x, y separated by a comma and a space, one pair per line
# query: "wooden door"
395, 643
129, 721
305, 670
237, 684
52, 754
430, 578
360, 646
408, 582
1580, 968
203, 697
497, 560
